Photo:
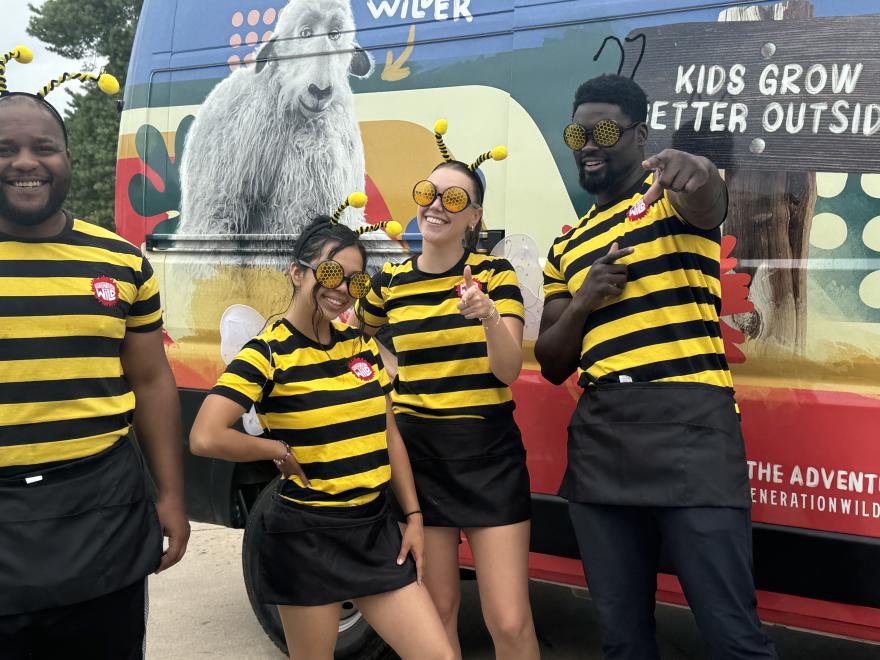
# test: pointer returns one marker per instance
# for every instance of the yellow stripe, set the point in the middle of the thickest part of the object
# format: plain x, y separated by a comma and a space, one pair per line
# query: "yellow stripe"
241, 385
713, 377
12, 414
369, 479
137, 321
651, 318
363, 499
58, 286
12, 251
333, 451
453, 400
645, 355
433, 339
28, 327
447, 369
400, 409
25, 371
343, 382
85, 227
312, 419
60, 450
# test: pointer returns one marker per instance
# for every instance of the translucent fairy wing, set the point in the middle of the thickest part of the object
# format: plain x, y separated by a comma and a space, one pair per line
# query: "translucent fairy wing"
238, 325
522, 252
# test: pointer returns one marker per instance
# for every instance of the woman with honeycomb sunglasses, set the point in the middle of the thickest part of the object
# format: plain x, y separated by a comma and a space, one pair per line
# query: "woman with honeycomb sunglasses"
320, 391
455, 318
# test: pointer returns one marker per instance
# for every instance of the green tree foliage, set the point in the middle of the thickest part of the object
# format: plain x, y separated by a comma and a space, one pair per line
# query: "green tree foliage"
90, 30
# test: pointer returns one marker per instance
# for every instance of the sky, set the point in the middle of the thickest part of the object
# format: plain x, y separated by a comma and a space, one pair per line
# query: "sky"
45, 65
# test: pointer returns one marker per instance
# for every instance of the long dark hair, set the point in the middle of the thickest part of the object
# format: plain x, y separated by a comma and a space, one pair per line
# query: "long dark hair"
320, 232
471, 236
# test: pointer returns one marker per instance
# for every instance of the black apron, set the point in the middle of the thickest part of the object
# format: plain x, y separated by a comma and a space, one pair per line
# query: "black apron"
468, 472
656, 444
310, 555
78, 531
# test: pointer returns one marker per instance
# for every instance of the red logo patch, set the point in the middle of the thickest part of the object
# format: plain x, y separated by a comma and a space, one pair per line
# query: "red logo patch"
638, 210
361, 368
460, 288
106, 291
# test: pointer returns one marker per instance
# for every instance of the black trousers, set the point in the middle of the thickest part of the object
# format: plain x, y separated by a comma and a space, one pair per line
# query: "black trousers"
110, 627
711, 551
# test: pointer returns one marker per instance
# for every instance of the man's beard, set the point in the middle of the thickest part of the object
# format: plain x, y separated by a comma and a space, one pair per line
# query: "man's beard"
33, 217
597, 182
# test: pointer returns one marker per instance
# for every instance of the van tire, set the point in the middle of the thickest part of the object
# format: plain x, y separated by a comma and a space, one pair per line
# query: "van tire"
357, 640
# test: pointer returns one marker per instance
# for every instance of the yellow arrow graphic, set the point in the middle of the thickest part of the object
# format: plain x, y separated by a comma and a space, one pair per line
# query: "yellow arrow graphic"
394, 70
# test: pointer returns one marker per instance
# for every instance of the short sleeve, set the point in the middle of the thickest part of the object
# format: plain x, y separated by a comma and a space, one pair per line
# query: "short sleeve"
372, 307
504, 290
382, 375
554, 281
145, 313
247, 375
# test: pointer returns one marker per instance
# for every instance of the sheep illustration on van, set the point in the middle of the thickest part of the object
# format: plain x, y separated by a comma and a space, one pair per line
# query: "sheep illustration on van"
277, 141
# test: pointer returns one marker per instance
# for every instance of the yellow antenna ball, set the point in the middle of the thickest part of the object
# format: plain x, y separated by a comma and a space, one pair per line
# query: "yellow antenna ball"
108, 84
440, 126
393, 228
357, 200
23, 54
499, 152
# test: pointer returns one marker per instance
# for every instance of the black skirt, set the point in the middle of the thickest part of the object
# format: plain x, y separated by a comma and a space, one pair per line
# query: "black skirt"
468, 473
319, 555
656, 444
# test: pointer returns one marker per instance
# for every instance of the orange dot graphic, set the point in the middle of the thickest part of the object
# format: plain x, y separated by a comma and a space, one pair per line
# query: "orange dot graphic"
269, 16
237, 19
253, 17
235, 40
233, 62
267, 35
249, 58
251, 38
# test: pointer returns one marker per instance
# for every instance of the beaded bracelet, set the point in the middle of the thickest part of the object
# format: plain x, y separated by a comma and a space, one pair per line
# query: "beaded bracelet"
280, 461
488, 316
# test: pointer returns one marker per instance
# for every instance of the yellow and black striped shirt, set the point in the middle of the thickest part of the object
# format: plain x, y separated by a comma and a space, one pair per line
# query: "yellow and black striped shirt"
443, 363
327, 402
66, 303
664, 326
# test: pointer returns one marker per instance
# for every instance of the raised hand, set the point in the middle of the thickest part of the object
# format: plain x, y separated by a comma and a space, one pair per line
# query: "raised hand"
677, 171
474, 303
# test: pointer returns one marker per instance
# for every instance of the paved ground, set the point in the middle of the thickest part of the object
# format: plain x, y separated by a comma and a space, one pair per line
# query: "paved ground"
199, 609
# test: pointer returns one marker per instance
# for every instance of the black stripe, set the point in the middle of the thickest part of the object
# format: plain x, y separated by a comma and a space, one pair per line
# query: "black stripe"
62, 391
433, 323
672, 261
562, 295
149, 327
290, 489
66, 429
119, 246
233, 395
371, 309
346, 467
428, 298
60, 306
317, 399
670, 368
442, 353
463, 384
80, 269
506, 292
331, 432
652, 336
34, 348
146, 307
413, 276
649, 302
487, 412
661, 228
603, 225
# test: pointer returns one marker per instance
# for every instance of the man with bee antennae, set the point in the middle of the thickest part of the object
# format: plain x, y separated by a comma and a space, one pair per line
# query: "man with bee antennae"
80, 337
